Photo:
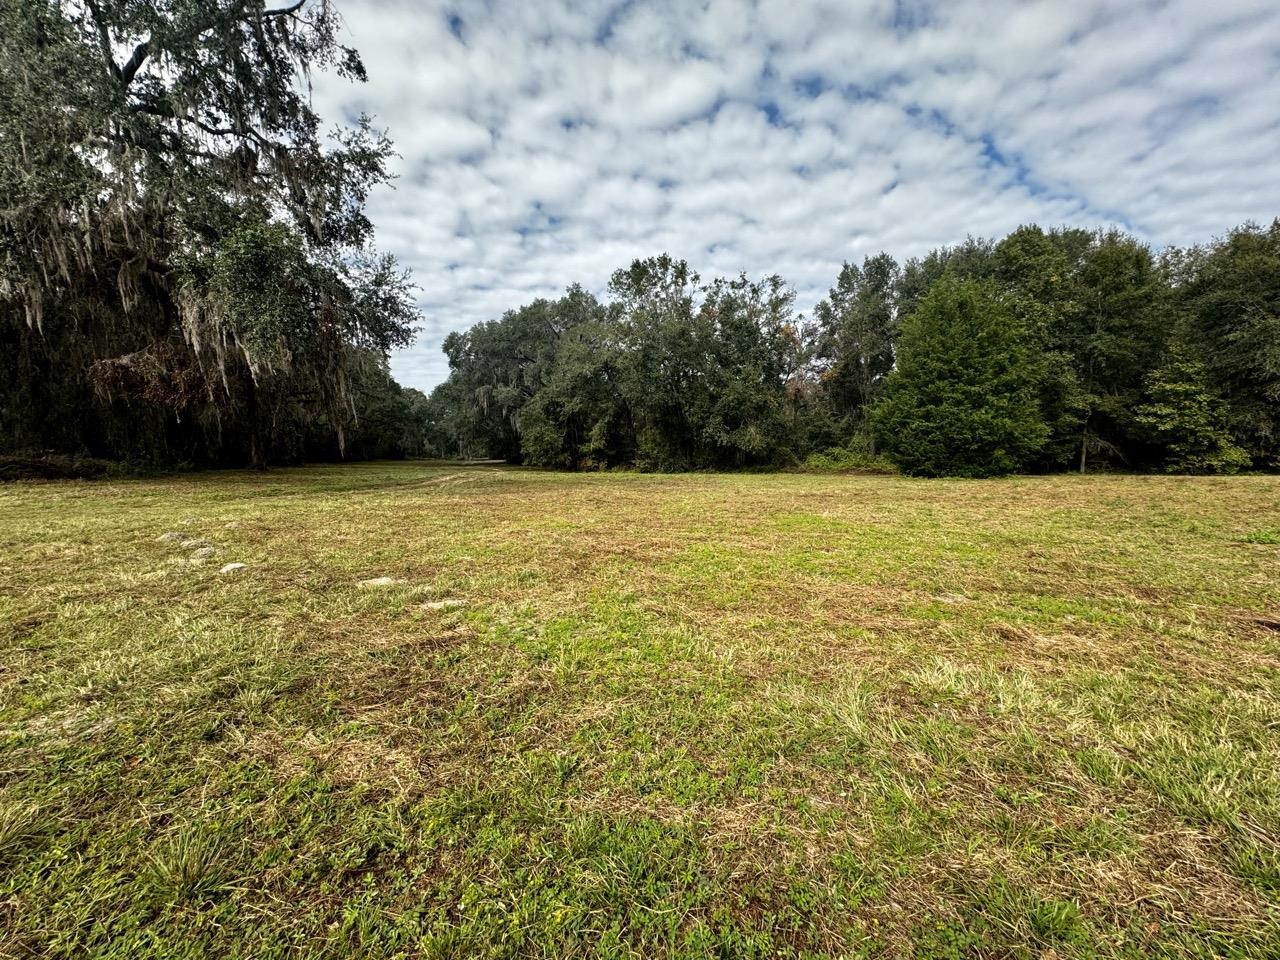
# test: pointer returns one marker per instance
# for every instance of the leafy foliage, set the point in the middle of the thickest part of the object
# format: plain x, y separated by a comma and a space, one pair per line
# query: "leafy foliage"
962, 400
857, 328
185, 264
847, 460
1185, 419
673, 375
1046, 351
1233, 301
187, 276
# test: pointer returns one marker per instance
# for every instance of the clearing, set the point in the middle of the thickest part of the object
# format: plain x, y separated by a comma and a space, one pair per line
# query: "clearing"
647, 716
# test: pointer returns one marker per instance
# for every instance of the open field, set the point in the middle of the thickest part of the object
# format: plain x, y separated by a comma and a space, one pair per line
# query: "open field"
694, 716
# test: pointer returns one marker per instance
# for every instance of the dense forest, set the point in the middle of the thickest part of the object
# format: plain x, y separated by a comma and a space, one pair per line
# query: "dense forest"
187, 276
1048, 350
186, 268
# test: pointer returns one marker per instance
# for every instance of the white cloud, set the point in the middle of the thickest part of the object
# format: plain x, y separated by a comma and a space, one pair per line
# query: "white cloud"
549, 143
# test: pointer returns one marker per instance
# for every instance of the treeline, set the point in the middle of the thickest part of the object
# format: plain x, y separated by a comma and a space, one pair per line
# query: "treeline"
186, 268
1049, 350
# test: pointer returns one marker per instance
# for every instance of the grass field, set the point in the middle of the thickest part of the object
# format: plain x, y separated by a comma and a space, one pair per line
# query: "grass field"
689, 716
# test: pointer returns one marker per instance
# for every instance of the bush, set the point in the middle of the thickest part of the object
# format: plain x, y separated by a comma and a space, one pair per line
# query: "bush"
847, 460
52, 467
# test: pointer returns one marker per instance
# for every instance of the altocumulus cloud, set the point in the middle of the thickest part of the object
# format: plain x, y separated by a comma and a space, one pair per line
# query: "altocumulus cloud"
548, 142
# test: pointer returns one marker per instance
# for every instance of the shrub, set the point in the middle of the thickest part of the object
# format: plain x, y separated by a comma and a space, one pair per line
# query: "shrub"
847, 460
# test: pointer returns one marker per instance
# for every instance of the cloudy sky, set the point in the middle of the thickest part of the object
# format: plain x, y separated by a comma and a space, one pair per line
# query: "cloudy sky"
551, 141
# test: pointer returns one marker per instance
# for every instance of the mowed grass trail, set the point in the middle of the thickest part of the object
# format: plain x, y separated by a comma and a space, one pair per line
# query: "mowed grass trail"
678, 716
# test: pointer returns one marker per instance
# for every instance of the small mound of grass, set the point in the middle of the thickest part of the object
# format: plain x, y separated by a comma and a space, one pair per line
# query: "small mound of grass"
1270, 537
187, 868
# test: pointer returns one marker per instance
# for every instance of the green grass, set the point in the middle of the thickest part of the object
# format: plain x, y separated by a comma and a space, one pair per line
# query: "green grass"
693, 716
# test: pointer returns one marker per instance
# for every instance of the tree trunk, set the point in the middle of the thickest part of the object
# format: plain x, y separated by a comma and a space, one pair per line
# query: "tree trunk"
257, 455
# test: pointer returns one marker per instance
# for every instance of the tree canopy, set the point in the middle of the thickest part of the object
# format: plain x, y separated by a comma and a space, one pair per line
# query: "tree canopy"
186, 269
962, 399
188, 275
1047, 350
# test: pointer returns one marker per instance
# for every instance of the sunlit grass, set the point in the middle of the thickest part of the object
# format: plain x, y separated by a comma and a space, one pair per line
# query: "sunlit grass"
627, 715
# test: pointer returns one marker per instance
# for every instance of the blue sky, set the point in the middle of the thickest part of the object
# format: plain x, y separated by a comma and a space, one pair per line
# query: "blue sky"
544, 142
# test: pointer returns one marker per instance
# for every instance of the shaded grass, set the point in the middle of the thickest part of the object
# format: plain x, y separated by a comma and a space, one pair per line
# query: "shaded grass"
689, 716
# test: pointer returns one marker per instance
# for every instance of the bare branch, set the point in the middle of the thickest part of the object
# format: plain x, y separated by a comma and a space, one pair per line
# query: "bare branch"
284, 11
128, 71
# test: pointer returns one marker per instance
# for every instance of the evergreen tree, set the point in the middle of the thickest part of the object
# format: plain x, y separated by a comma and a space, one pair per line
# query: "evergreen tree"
502, 365
580, 417
972, 260
746, 419
185, 261
1045, 351
1115, 336
962, 401
662, 351
1038, 272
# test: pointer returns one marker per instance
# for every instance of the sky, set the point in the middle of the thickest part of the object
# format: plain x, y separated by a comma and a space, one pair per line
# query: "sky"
547, 142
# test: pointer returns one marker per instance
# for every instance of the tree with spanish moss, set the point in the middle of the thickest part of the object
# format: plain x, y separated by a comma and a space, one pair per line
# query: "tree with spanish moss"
185, 261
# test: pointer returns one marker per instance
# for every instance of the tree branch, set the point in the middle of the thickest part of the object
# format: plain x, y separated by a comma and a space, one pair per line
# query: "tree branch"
127, 72
143, 50
244, 131
284, 11
104, 38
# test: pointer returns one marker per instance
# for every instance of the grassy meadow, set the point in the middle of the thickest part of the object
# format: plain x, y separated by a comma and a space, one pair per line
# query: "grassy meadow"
627, 715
